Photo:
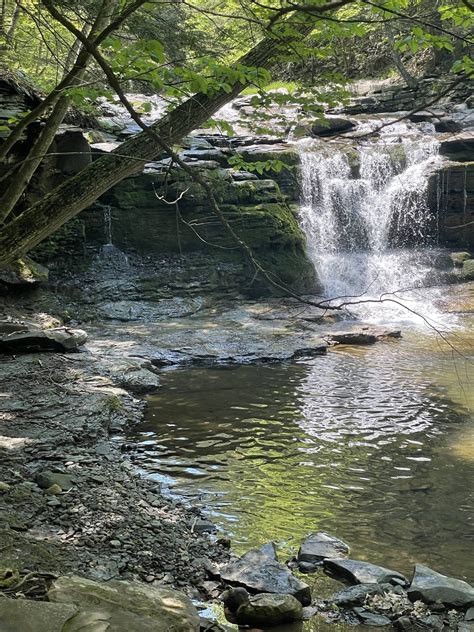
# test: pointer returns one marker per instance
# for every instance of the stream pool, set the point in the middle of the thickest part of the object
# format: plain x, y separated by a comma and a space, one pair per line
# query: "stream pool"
372, 444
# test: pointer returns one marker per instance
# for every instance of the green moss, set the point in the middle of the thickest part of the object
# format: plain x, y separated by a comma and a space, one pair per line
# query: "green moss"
113, 403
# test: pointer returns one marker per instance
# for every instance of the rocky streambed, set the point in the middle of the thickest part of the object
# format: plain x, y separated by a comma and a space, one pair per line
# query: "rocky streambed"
72, 503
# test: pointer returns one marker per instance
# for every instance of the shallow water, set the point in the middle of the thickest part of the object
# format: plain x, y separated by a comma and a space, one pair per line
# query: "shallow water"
373, 444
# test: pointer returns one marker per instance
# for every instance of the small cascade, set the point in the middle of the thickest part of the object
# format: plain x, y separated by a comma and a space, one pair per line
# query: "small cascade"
109, 252
364, 210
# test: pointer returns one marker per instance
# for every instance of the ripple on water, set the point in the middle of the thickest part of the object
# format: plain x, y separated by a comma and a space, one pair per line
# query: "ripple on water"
359, 444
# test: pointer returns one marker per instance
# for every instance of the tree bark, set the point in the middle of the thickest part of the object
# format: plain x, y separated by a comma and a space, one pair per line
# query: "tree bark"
45, 217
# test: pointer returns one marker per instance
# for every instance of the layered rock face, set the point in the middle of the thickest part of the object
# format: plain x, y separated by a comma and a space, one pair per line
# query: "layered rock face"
451, 197
161, 211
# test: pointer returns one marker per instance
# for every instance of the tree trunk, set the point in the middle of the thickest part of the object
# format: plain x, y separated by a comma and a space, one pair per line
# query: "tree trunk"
22, 177
43, 218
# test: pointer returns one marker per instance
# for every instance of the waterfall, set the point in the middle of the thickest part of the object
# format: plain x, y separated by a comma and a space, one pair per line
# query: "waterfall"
364, 211
109, 252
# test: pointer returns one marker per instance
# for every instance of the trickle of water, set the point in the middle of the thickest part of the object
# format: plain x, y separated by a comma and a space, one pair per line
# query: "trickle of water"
109, 252
108, 224
365, 214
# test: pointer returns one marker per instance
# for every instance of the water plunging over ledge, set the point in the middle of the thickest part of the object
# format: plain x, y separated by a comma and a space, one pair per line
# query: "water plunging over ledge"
364, 210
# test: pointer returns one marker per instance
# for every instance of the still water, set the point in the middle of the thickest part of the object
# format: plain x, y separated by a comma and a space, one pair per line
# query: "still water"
372, 444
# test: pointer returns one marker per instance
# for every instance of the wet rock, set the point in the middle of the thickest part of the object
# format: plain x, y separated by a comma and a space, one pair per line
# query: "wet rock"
47, 479
30, 339
361, 335
125, 311
24, 272
458, 258
319, 546
260, 572
22, 615
470, 614
128, 605
136, 375
357, 595
371, 618
235, 597
203, 526
357, 572
467, 271
465, 626
331, 125
430, 587
269, 610
459, 147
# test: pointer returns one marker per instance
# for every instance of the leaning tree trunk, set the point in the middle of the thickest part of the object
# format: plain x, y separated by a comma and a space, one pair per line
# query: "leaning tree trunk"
43, 218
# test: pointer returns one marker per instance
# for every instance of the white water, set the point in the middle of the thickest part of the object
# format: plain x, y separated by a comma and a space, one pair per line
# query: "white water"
368, 226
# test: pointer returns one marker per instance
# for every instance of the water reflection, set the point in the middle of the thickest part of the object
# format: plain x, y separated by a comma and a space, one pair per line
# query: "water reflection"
358, 443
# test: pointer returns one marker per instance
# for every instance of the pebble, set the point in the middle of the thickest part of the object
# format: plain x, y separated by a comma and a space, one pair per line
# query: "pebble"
4, 487
115, 543
53, 490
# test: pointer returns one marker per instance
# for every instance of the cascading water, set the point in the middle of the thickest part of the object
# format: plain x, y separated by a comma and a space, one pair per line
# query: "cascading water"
370, 232
109, 252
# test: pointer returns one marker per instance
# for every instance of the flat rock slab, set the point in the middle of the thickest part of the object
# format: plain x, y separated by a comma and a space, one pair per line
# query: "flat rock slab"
22, 615
259, 571
429, 586
29, 339
319, 546
361, 335
357, 572
125, 606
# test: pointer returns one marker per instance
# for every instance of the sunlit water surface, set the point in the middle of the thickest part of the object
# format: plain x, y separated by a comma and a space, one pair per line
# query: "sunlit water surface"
373, 444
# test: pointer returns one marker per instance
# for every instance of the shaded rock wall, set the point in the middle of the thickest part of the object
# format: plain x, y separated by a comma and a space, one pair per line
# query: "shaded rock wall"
142, 222
451, 197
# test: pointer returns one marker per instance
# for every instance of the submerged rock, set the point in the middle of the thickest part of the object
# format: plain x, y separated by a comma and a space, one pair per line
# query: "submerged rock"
358, 572
429, 586
319, 546
260, 572
126, 606
269, 610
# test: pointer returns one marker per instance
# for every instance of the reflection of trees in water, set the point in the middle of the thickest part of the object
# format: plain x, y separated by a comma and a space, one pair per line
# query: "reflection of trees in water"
278, 451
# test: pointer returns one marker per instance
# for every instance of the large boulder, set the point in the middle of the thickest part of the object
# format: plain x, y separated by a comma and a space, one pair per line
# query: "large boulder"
319, 546
22, 615
331, 125
357, 572
24, 272
126, 606
268, 610
431, 587
259, 571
